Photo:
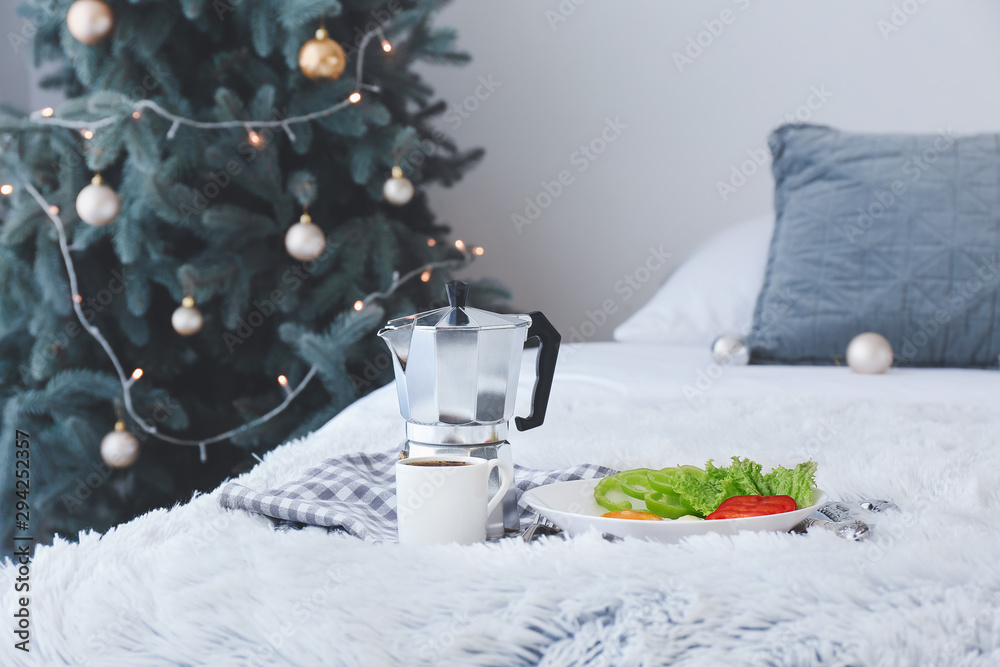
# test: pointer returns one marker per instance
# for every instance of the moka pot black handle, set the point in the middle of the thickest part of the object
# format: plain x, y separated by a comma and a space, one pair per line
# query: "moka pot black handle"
545, 367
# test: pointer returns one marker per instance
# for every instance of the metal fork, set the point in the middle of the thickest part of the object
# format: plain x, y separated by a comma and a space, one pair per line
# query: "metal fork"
841, 518
540, 526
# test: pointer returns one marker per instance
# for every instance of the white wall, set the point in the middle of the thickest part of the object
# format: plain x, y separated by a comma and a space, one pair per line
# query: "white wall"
657, 183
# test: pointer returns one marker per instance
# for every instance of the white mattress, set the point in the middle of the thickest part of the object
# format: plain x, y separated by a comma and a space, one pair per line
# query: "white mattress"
647, 376
657, 372
647, 372
200, 585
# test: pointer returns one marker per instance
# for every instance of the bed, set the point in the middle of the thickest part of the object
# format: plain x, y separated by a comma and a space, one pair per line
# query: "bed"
200, 585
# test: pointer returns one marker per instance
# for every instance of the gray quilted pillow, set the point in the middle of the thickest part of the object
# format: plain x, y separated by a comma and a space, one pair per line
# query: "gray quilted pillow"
893, 233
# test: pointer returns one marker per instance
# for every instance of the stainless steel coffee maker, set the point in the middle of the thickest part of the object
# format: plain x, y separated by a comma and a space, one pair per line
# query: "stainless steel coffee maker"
457, 373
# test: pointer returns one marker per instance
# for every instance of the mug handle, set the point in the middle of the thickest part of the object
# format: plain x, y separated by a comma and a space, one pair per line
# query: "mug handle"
506, 477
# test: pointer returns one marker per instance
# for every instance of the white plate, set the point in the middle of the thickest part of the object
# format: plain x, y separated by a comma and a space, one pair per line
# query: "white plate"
571, 506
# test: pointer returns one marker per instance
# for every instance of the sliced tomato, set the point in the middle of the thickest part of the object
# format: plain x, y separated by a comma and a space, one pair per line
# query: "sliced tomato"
638, 515
739, 507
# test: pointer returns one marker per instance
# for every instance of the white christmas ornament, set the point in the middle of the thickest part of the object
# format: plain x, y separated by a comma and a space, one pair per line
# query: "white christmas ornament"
97, 204
869, 353
304, 240
731, 349
187, 319
90, 21
119, 449
398, 190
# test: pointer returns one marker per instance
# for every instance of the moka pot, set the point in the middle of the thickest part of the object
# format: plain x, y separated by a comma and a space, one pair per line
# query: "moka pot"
457, 371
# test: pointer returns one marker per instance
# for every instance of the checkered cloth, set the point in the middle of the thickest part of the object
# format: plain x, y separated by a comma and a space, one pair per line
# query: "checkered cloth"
357, 494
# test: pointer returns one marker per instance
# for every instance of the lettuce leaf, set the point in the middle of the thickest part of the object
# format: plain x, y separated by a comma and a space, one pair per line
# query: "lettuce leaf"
704, 495
704, 490
797, 482
747, 478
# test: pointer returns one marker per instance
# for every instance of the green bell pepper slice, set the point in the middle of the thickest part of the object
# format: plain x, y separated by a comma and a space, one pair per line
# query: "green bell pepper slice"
661, 482
667, 506
696, 472
635, 483
609, 494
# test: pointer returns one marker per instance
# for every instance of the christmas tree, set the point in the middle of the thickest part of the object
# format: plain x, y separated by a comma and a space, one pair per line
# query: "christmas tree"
226, 199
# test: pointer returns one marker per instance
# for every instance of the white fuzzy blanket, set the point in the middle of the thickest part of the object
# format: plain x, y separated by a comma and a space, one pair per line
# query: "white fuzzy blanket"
197, 585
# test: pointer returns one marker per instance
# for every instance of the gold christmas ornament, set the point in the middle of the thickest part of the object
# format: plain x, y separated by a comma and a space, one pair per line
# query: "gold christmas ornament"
90, 21
398, 190
97, 204
304, 240
187, 319
322, 58
120, 449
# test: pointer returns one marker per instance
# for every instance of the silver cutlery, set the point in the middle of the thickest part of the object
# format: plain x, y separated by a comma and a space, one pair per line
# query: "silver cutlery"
539, 527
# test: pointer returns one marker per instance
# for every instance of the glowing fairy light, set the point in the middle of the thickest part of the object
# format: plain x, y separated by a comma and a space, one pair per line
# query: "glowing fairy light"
136, 374
47, 112
282, 380
87, 134
478, 250
359, 305
460, 244
431, 242
53, 209
6, 189
355, 97
425, 276
386, 46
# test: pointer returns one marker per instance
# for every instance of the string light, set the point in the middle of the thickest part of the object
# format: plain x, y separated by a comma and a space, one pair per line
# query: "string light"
425, 277
6, 189
254, 138
478, 250
87, 128
386, 46
47, 115
126, 382
460, 244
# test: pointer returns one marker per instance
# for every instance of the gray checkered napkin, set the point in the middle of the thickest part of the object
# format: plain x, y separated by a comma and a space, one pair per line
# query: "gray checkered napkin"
357, 493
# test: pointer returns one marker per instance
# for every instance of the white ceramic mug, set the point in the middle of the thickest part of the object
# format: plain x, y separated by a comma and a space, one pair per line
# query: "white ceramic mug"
438, 504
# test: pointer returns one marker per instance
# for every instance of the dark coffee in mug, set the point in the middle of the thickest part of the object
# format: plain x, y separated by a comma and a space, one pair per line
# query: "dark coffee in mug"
437, 464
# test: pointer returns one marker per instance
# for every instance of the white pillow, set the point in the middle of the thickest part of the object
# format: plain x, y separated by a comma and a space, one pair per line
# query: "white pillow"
712, 293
